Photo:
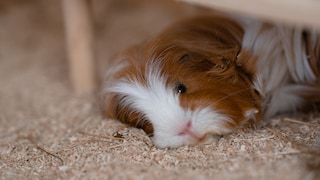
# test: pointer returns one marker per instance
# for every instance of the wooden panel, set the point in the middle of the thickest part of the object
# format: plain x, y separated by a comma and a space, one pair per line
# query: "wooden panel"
298, 12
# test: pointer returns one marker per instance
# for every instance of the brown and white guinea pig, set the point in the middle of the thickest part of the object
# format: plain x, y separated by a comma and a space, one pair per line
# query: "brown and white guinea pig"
209, 75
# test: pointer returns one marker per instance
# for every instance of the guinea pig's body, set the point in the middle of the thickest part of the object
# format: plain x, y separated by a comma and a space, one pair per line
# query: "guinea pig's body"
210, 75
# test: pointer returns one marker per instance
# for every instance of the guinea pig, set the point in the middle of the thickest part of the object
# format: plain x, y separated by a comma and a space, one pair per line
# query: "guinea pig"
207, 76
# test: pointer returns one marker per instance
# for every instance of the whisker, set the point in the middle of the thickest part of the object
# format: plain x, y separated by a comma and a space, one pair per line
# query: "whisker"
232, 94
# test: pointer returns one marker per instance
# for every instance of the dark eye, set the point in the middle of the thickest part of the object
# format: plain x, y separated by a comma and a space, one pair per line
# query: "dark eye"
181, 88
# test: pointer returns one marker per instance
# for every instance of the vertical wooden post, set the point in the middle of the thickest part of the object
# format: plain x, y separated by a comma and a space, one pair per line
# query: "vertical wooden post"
79, 35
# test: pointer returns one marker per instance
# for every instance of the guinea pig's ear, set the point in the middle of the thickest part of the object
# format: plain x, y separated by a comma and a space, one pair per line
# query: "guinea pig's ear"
222, 67
220, 64
196, 61
185, 57
217, 65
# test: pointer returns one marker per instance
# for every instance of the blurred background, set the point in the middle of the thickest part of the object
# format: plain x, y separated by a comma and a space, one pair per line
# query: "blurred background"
32, 32
36, 94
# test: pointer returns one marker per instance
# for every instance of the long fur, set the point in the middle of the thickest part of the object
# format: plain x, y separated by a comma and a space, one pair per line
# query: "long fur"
210, 75
288, 65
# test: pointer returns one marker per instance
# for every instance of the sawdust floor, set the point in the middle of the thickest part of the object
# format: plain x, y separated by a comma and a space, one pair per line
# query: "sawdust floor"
47, 132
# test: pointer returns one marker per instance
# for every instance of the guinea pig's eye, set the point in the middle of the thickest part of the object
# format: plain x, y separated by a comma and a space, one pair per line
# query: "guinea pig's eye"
181, 88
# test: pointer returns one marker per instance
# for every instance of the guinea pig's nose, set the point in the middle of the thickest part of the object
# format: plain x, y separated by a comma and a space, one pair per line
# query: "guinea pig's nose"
191, 133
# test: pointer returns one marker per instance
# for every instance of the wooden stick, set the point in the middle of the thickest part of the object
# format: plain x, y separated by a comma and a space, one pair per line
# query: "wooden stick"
297, 12
78, 28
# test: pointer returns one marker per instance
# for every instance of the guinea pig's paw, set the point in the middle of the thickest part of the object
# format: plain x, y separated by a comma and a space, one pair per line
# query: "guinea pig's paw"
251, 113
210, 139
252, 117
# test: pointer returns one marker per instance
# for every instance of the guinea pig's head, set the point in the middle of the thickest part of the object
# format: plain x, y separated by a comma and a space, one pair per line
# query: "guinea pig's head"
187, 85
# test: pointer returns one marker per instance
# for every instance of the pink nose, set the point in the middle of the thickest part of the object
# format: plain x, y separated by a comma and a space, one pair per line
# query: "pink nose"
190, 132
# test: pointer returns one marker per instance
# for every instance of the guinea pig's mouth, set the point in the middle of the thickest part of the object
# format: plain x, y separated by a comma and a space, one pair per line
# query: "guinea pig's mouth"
188, 131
